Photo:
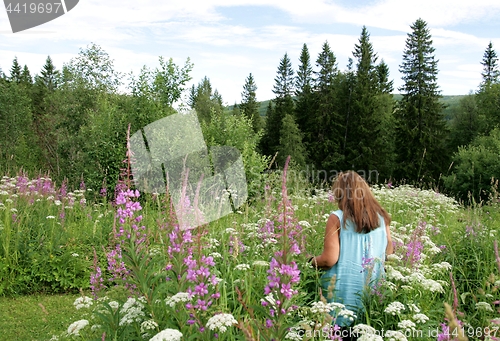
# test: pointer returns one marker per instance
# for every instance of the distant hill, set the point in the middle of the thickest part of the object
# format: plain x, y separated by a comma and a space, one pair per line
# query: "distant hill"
451, 103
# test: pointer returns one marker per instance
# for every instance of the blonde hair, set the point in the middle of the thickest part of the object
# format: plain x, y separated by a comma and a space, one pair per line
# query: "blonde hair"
357, 201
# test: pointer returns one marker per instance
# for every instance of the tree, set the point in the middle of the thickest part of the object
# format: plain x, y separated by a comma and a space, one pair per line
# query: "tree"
385, 86
15, 71
170, 80
283, 104
466, 123
249, 105
327, 126
291, 143
490, 72
26, 78
49, 75
364, 124
304, 99
205, 101
420, 127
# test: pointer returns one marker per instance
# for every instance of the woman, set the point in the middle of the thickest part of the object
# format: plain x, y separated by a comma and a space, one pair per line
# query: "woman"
357, 239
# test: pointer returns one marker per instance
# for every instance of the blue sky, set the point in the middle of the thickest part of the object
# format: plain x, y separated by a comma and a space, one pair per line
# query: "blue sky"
226, 40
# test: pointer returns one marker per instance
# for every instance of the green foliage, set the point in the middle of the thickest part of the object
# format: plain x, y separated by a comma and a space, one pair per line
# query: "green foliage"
420, 128
225, 129
475, 167
291, 143
205, 101
249, 105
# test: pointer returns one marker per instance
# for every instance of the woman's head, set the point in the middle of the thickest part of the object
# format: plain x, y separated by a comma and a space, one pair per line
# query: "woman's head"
357, 201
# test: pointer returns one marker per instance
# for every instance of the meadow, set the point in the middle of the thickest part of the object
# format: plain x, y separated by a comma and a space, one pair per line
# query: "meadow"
75, 266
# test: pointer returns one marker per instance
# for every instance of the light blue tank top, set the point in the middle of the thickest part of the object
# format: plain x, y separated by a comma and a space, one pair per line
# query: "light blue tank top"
360, 265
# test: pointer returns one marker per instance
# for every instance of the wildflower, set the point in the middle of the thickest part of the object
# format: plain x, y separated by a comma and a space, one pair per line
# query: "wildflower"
347, 314
394, 335
420, 318
293, 335
167, 335
406, 325
75, 327
370, 337
263, 263
148, 325
320, 307
394, 308
220, 322
363, 329
75, 254
413, 308
83, 302
50, 217
484, 306
242, 267
132, 311
179, 297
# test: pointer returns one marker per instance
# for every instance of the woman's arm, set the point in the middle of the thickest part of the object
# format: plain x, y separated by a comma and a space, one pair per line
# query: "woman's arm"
331, 246
390, 247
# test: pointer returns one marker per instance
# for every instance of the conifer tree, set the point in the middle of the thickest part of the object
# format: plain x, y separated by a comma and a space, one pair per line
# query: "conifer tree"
283, 104
15, 71
491, 73
326, 127
249, 105
304, 110
26, 78
420, 126
49, 75
291, 143
364, 124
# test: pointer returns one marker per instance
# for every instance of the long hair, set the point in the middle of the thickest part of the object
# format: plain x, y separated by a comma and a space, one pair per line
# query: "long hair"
357, 201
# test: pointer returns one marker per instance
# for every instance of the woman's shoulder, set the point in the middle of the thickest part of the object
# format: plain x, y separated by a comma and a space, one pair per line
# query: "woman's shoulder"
338, 213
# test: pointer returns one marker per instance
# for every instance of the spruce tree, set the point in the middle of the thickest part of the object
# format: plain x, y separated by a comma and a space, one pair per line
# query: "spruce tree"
26, 78
291, 143
491, 73
283, 104
249, 105
49, 75
420, 126
304, 97
15, 71
326, 127
364, 124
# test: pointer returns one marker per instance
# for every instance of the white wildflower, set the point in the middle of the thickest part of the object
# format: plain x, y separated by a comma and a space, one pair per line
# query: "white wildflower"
420, 318
83, 302
50, 217
230, 230
13, 209
370, 337
242, 267
220, 322
393, 257
347, 314
394, 308
114, 305
394, 335
148, 325
167, 335
484, 306
406, 325
269, 299
75, 254
132, 311
179, 297
293, 335
260, 263
57, 202
362, 329
304, 223
320, 307
413, 308
215, 255
432, 285
75, 327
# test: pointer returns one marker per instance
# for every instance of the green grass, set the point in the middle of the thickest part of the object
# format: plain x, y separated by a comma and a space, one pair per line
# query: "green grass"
36, 317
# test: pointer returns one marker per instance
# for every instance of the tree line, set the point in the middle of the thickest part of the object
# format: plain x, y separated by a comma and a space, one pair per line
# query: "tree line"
72, 123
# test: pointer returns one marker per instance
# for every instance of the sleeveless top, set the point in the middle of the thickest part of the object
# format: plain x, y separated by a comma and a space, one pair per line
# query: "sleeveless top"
360, 265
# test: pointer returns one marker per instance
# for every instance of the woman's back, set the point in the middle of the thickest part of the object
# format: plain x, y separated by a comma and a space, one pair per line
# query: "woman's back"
360, 262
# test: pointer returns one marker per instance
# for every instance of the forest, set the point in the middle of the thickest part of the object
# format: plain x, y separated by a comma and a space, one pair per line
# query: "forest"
71, 123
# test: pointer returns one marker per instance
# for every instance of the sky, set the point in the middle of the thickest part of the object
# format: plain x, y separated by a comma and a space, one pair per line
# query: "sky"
226, 40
